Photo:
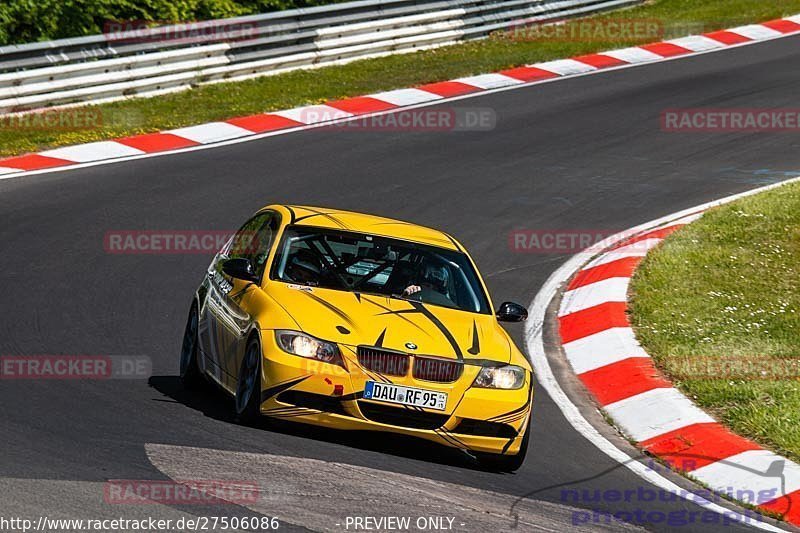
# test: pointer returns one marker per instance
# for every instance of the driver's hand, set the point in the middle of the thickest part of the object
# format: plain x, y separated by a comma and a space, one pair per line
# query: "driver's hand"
411, 289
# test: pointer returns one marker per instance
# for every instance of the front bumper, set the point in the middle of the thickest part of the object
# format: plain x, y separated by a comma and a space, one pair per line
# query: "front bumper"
312, 392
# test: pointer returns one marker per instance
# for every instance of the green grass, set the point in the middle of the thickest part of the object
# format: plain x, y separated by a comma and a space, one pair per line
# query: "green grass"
718, 307
221, 101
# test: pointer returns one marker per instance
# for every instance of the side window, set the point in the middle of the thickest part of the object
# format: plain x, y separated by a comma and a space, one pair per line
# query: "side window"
254, 240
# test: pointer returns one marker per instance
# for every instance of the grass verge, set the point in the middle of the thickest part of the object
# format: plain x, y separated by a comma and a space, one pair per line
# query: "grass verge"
503, 50
718, 308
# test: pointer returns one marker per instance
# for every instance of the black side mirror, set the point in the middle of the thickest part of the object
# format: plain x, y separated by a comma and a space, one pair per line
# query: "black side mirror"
511, 312
240, 268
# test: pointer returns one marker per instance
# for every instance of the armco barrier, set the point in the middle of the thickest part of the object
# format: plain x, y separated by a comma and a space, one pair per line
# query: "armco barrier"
116, 65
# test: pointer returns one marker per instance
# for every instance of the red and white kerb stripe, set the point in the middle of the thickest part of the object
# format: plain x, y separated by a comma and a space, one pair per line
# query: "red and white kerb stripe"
214, 132
600, 345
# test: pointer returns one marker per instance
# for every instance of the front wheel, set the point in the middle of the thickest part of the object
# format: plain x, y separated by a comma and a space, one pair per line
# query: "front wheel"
191, 376
248, 388
506, 463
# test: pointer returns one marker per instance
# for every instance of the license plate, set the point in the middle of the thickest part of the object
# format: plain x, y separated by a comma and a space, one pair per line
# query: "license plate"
383, 392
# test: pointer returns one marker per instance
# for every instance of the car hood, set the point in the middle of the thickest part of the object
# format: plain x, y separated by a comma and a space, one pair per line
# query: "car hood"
365, 319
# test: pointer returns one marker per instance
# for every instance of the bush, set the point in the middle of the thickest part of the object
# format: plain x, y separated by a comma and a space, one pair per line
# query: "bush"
23, 21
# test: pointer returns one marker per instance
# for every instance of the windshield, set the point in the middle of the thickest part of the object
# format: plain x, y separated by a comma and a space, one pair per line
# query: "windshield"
367, 263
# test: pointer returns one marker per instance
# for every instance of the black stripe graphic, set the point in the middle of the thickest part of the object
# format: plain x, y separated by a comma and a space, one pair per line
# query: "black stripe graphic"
266, 394
476, 343
510, 413
418, 307
450, 438
397, 313
379, 342
341, 314
324, 215
450, 434
291, 212
288, 411
438, 323
511, 420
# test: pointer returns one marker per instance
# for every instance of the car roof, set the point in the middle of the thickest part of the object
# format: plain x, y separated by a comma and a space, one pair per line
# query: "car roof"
322, 217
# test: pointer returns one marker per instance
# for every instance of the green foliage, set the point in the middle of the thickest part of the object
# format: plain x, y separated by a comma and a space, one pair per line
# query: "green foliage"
23, 21
724, 293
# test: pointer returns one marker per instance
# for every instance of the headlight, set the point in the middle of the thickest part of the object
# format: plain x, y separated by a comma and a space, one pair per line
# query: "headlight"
500, 377
297, 343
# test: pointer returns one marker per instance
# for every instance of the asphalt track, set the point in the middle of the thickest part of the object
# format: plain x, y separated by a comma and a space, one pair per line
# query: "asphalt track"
583, 153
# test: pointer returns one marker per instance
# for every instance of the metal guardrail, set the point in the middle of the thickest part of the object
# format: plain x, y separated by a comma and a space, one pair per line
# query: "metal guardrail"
100, 68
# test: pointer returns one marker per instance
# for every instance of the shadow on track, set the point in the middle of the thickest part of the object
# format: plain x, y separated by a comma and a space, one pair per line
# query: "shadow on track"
213, 403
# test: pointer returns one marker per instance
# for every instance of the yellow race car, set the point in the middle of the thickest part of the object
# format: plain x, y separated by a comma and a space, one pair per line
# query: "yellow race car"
353, 321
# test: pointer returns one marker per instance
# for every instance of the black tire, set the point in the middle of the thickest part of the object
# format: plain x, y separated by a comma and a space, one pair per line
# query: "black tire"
506, 463
190, 374
248, 386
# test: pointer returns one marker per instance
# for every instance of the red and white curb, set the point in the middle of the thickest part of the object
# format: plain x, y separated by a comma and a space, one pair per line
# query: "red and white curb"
600, 345
243, 128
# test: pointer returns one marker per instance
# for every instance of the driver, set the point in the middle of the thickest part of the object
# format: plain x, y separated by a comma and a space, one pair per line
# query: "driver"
304, 267
434, 278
